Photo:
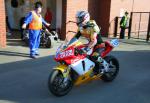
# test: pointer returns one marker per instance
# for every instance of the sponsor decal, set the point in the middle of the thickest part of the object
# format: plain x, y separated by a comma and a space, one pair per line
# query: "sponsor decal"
66, 53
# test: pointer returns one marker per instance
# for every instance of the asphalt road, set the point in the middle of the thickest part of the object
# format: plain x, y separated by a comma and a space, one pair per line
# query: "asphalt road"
26, 81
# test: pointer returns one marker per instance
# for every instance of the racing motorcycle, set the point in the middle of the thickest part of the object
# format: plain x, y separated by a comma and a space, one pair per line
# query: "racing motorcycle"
76, 67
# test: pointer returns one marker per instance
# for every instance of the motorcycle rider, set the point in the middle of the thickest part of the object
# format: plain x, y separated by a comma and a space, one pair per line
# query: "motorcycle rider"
89, 29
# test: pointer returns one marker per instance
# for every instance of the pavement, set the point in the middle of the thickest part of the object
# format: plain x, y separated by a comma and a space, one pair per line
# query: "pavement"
17, 50
24, 80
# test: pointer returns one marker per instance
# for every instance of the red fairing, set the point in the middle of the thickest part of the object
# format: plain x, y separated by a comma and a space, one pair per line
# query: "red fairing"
69, 56
65, 54
108, 49
74, 59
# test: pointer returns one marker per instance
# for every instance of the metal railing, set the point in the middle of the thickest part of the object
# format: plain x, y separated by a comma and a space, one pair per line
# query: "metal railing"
139, 24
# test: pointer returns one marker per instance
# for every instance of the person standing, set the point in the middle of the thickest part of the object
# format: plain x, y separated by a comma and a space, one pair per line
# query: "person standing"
48, 15
8, 17
35, 21
124, 23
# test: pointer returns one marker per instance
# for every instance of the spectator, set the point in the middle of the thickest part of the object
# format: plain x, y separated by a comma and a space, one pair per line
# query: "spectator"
35, 20
124, 23
9, 30
21, 23
48, 15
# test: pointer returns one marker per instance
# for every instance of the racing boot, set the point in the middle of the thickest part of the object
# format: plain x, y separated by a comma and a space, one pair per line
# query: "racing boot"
104, 66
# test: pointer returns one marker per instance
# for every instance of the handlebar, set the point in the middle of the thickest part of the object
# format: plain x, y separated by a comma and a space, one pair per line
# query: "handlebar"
79, 51
71, 21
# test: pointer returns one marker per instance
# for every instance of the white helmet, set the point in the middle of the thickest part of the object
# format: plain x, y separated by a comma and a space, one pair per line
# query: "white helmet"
82, 16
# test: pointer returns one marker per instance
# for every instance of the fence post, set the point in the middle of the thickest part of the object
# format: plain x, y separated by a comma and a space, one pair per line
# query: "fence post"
139, 26
116, 27
148, 29
130, 25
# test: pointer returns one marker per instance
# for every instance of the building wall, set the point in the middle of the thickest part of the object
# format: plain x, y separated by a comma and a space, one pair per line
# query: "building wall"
72, 7
118, 7
15, 14
2, 24
103, 11
58, 13
98, 9
100, 12
52, 5
141, 6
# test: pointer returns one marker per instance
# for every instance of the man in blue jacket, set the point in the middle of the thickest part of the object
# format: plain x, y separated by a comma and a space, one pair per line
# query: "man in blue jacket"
35, 21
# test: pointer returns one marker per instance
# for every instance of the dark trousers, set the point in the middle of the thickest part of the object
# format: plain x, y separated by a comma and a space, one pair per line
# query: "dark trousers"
122, 33
7, 23
94, 58
21, 23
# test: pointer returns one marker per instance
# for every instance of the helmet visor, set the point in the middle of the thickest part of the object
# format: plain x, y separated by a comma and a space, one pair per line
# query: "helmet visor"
79, 20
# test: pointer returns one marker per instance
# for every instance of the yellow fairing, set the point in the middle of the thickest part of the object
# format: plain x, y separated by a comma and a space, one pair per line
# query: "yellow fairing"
64, 69
86, 78
81, 79
78, 43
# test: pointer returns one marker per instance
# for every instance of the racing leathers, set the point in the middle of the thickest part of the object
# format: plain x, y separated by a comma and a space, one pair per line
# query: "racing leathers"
91, 31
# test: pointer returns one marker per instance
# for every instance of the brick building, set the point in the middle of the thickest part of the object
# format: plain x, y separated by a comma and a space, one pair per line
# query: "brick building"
2, 24
103, 11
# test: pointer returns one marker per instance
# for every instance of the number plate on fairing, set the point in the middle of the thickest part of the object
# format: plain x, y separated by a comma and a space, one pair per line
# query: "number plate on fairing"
66, 53
114, 42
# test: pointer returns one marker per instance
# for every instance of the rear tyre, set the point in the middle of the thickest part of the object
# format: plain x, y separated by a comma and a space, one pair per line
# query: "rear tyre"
56, 84
48, 43
26, 37
114, 69
26, 41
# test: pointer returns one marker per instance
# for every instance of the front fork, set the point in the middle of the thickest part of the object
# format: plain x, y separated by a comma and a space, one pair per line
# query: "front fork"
65, 70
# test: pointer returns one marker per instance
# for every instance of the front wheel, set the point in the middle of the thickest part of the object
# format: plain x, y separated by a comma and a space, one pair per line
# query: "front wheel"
56, 84
114, 69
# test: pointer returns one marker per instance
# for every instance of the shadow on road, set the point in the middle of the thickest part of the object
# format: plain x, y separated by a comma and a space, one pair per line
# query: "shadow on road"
135, 42
8, 53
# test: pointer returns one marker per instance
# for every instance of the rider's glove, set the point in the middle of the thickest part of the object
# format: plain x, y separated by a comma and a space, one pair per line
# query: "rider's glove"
64, 47
85, 50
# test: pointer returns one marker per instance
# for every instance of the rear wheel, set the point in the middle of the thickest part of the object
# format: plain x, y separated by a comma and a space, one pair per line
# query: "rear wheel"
114, 69
48, 43
26, 37
56, 84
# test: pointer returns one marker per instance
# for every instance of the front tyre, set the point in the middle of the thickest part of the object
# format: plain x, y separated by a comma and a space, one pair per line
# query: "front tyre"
56, 84
114, 69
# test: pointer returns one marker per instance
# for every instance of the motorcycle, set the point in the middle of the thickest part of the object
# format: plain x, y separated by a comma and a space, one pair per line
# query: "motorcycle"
76, 67
46, 37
